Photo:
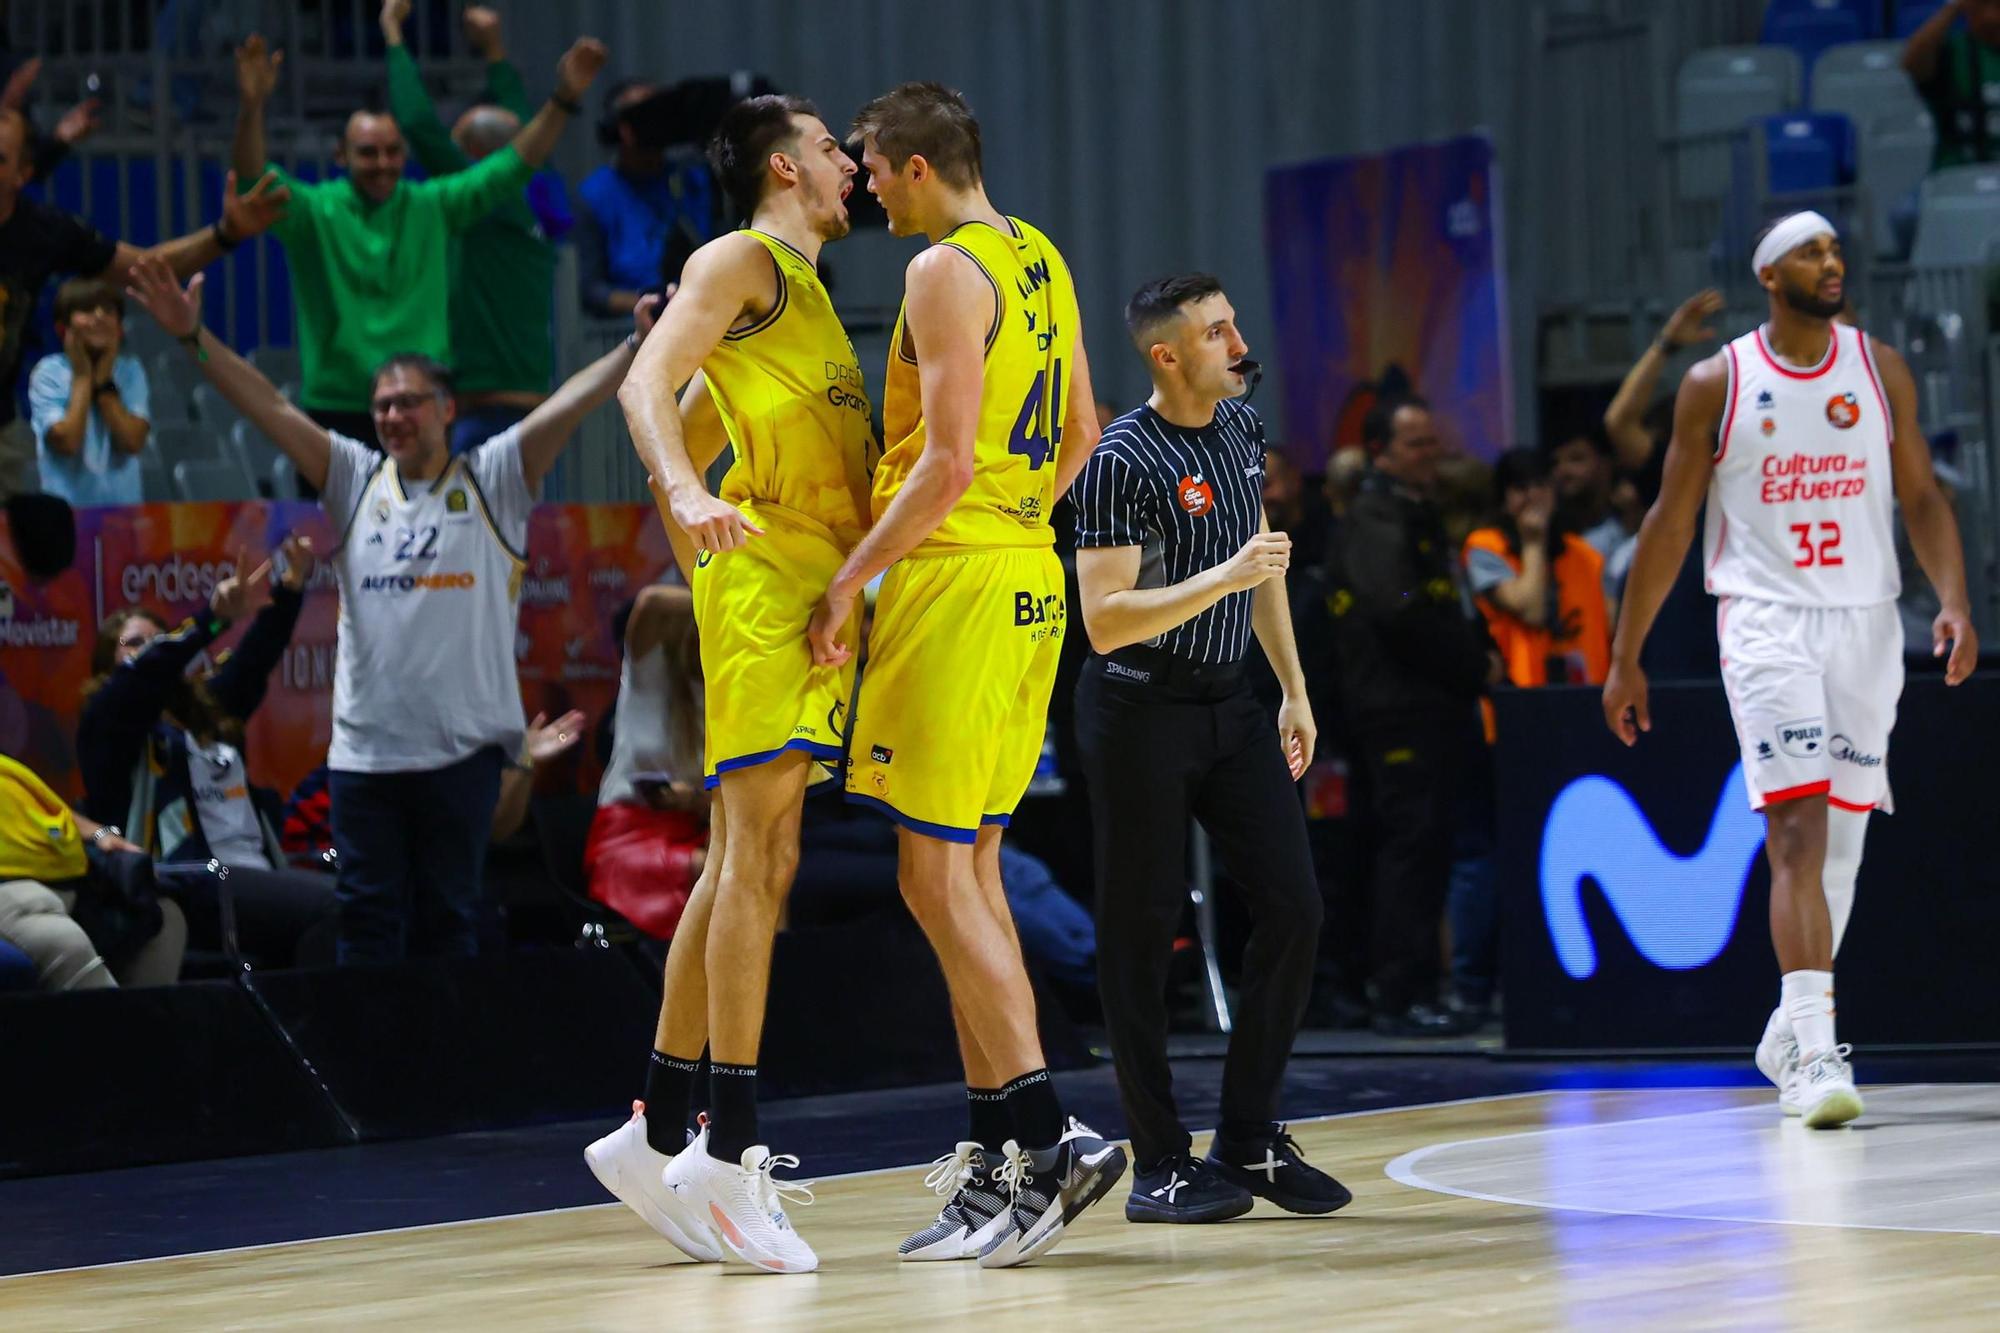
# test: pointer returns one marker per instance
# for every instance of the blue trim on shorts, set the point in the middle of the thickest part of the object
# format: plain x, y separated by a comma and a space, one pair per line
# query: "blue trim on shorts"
817, 749
1001, 820
943, 832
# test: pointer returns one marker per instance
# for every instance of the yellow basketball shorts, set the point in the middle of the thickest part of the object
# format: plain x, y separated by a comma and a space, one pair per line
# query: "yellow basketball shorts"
954, 697
751, 607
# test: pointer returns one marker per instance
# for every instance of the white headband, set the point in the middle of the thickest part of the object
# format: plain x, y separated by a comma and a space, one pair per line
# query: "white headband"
1789, 234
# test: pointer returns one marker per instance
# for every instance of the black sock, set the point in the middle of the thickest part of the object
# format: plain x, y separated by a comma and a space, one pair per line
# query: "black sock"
669, 1090
991, 1123
1032, 1106
732, 1112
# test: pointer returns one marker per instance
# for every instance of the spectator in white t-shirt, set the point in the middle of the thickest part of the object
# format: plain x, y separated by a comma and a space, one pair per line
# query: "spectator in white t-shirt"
89, 404
426, 700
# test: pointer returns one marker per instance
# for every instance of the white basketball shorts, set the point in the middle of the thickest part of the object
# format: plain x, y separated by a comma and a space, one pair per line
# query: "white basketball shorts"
1813, 692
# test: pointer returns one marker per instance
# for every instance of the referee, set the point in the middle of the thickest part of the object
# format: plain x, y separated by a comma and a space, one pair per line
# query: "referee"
1178, 569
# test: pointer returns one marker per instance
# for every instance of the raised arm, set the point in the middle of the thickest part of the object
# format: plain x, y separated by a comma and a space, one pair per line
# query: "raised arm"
257, 69
410, 102
179, 312
1927, 515
487, 37
243, 216
950, 307
574, 74
1926, 44
1664, 537
552, 424
726, 280
1625, 419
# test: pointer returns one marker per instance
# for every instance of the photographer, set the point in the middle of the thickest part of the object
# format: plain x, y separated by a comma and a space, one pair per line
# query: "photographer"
646, 210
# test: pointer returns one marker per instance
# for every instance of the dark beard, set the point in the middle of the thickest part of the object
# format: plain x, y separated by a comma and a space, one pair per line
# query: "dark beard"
1807, 303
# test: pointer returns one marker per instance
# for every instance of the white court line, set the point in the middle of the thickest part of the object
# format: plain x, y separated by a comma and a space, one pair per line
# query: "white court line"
1403, 1171
596, 1207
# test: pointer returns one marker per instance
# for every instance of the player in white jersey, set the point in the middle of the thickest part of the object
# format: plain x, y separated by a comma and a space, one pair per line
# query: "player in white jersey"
426, 702
1802, 435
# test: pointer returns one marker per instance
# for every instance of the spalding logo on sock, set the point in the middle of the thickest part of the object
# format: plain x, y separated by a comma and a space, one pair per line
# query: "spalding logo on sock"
1679, 910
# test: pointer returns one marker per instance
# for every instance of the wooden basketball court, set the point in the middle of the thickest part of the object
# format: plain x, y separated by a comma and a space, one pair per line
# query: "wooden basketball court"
1654, 1208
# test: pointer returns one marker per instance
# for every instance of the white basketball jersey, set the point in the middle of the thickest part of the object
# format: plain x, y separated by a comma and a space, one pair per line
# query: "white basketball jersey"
424, 672
1802, 506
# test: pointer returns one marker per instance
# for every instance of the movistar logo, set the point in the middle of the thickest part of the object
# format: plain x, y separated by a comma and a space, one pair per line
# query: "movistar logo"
1679, 910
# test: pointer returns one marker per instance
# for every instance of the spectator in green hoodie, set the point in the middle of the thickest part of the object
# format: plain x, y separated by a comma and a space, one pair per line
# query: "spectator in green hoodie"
369, 251
503, 265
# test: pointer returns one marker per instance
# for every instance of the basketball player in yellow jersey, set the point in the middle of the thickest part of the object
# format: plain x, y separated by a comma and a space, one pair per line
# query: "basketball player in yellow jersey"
989, 416
753, 317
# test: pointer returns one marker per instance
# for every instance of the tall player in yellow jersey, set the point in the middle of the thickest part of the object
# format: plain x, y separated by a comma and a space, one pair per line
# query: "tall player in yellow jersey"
754, 318
989, 415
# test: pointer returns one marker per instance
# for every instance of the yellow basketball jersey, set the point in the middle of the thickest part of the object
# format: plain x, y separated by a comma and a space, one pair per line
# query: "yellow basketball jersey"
790, 393
1028, 363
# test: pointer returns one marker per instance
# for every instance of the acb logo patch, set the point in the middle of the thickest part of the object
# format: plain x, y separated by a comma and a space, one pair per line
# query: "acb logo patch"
1196, 495
1843, 410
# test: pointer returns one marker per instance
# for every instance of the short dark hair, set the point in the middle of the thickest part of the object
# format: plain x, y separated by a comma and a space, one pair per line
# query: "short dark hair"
1161, 300
1599, 442
437, 372
926, 120
1379, 426
1516, 468
80, 294
749, 132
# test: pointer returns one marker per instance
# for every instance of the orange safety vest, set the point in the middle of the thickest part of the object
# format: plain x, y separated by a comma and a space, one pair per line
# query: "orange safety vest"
1580, 640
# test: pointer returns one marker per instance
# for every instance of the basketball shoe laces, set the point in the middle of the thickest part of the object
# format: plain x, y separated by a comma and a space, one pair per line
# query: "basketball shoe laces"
1830, 1065
950, 1173
773, 1194
1014, 1171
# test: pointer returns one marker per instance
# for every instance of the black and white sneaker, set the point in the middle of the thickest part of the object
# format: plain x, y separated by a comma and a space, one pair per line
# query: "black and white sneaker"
974, 1214
1185, 1189
1269, 1166
1048, 1188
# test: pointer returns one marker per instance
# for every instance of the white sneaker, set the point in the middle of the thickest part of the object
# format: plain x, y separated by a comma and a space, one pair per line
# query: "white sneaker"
745, 1204
1778, 1060
974, 1212
626, 1164
1825, 1089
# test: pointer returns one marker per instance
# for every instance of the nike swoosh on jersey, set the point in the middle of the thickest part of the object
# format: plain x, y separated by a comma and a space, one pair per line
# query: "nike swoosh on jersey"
1679, 910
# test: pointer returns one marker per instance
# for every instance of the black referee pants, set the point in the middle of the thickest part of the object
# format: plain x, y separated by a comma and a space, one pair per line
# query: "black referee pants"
1156, 752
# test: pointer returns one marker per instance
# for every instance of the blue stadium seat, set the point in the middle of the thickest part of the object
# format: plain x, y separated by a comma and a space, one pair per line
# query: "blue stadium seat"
1866, 14
1865, 81
1912, 14
1809, 31
17, 970
1809, 152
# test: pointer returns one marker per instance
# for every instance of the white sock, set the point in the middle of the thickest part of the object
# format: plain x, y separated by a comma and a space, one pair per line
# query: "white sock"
1809, 1004
1845, 832
1779, 1022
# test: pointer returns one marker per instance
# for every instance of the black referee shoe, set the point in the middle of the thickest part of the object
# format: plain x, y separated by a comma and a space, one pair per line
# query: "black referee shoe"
1269, 1166
1185, 1189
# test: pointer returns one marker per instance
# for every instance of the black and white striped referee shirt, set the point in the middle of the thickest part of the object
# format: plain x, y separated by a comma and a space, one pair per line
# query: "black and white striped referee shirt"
1188, 499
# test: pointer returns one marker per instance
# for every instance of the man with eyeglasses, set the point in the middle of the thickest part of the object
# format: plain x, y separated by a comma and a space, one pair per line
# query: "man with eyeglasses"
431, 547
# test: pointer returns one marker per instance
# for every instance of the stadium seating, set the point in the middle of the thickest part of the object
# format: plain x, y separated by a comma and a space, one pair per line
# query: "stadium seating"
1958, 216
1864, 81
1912, 14
1808, 28
1895, 156
212, 479
1807, 152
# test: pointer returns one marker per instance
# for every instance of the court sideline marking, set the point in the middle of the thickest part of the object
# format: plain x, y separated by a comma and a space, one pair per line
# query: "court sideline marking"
613, 1203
